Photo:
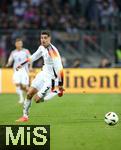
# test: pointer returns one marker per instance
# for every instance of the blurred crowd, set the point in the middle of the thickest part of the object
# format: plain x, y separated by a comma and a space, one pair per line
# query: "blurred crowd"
67, 15
17, 17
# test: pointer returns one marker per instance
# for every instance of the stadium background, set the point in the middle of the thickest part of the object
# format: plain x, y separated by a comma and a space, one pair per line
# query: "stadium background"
86, 32
88, 36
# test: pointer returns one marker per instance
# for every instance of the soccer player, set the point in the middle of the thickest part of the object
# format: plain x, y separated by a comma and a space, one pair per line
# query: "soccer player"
21, 77
48, 82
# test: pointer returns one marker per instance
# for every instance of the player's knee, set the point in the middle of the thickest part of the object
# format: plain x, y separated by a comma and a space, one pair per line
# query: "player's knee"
24, 88
37, 99
29, 95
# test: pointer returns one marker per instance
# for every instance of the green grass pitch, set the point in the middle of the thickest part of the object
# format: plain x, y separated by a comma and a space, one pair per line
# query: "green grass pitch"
76, 120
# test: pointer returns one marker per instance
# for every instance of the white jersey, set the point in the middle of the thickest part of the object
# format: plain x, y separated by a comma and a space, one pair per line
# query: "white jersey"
17, 56
52, 61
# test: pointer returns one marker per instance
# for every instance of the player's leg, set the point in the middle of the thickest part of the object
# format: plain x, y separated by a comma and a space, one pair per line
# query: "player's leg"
41, 93
19, 91
54, 90
36, 83
27, 105
45, 93
48, 91
25, 88
24, 82
51, 92
16, 80
50, 95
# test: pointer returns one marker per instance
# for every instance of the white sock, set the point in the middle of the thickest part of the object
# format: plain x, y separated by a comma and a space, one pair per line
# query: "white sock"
27, 105
50, 95
20, 93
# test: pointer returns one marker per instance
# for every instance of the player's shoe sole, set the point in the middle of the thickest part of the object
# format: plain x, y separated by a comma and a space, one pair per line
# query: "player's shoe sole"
22, 119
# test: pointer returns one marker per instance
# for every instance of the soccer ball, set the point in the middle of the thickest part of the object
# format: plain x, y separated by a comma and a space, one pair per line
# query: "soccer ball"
111, 118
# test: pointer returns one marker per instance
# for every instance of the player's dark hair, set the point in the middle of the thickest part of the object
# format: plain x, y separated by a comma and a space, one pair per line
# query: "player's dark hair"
46, 32
18, 39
